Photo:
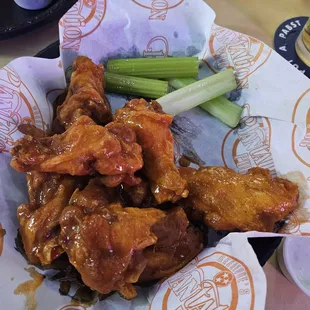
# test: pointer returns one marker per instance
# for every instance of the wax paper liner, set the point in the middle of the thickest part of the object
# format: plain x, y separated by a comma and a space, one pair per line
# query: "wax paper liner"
274, 134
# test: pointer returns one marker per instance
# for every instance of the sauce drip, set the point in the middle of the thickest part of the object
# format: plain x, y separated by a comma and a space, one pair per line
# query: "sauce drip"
29, 288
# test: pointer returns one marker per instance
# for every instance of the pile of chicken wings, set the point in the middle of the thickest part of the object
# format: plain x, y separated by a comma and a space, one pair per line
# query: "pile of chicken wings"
105, 190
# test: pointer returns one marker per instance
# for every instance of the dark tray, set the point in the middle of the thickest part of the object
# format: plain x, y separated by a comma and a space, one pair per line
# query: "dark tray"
263, 247
14, 20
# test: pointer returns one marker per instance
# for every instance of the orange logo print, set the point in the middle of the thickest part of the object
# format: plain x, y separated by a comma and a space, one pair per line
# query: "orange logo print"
71, 307
157, 47
158, 8
17, 105
90, 3
306, 141
301, 149
249, 146
216, 282
241, 52
80, 21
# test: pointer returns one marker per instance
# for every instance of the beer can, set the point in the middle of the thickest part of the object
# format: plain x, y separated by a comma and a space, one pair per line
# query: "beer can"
303, 44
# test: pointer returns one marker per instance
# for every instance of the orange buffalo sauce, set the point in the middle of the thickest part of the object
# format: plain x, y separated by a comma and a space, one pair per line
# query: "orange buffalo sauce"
29, 288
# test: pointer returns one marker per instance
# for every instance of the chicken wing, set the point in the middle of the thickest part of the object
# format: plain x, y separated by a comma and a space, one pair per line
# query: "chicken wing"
106, 246
85, 148
94, 195
151, 126
139, 196
85, 95
178, 243
49, 194
226, 200
31, 130
113, 247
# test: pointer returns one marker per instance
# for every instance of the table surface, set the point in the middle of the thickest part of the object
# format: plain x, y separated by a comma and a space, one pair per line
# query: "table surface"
259, 19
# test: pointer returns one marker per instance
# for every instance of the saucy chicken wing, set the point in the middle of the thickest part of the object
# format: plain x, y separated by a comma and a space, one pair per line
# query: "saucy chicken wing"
85, 148
178, 243
151, 126
31, 130
49, 194
113, 247
226, 200
85, 95
106, 245
94, 195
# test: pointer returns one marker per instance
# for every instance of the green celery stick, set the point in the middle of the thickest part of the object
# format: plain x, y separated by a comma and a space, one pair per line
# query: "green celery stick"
136, 86
198, 93
181, 82
160, 68
224, 110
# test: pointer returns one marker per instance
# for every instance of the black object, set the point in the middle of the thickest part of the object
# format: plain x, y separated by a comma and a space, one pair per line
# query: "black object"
14, 20
284, 42
263, 247
50, 52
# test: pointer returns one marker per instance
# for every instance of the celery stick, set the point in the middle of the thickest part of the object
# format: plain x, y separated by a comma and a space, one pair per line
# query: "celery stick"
223, 109
220, 107
199, 92
161, 68
179, 83
137, 86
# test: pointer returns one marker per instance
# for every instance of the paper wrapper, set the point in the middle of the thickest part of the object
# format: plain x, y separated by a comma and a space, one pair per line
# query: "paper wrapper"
274, 134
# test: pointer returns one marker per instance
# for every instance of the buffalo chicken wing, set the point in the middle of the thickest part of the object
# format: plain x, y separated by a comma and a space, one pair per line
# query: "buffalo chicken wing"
151, 126
113, 247
106, 246
226, 200
178, 243
49, 194
85, 148
85, 95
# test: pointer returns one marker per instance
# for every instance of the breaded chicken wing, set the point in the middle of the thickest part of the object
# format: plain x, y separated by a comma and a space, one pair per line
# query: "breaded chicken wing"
226, 200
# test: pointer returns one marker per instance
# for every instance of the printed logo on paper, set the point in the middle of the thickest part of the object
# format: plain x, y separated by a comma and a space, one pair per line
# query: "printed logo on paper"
215, 282
298, 223
157, 47
301, 112
17, 106
80, 21
231, 49
71, 307
248, 146
158, 8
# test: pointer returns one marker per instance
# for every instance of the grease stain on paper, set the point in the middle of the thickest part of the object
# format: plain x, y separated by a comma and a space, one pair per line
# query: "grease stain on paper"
29, 288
